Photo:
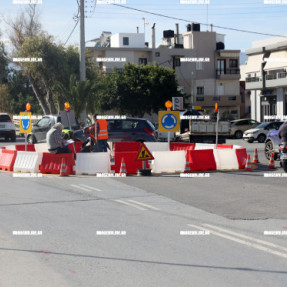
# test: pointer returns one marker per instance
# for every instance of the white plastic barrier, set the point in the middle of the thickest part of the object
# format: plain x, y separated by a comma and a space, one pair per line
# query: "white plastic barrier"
168, 161
92, 163
28, 161
154, 146
225, 159
11, 147
199, 146
42, 147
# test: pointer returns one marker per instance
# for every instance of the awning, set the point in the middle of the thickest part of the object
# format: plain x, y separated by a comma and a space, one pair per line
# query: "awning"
277, 60
254, 64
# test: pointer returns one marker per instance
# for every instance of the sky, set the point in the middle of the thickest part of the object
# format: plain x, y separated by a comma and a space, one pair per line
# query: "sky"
253, 15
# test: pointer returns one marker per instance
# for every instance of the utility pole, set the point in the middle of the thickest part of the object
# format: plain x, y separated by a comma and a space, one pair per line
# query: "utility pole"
82, 52
82, 42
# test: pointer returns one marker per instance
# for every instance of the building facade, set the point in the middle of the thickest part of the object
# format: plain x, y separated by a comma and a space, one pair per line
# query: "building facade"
204, 69
266, 78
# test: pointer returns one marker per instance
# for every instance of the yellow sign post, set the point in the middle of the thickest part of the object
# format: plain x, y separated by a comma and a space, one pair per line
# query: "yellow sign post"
168, 121
25, 122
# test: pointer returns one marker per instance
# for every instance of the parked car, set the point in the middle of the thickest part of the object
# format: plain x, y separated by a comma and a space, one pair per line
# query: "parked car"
272, 143
131, 129
40, 128
260, 132
238, 127
7, 127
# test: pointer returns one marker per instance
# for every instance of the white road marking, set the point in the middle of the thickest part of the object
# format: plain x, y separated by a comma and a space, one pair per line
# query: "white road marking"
143, 204
247, 237
130, 204
93, 188
247, 243
80, 187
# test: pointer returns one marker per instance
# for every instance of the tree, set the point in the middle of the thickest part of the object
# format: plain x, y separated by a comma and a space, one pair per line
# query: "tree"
137, 90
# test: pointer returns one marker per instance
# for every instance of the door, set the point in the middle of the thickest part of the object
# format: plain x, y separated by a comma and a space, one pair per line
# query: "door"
41, 128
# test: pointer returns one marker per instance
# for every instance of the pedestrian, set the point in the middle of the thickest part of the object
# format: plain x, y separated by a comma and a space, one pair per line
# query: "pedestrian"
55, 140
99, 135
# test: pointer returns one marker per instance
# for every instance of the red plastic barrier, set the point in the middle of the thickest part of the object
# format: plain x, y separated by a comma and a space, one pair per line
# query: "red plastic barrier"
201, 160
21, 147
51, 163
126, 146
222, 146
181, 146
241, 157
2, 147
7, 159
78, 146
132, 165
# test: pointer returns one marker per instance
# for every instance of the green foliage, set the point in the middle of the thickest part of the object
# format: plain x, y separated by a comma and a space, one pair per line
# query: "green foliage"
136, 90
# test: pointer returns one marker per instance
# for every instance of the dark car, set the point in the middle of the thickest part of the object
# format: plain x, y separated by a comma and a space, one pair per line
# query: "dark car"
7, 127
40, 128
131, 130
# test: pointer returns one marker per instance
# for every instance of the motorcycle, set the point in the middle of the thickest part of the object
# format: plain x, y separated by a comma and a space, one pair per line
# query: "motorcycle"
283, 156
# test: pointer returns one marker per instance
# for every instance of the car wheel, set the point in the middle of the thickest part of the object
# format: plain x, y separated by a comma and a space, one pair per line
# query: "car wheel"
13, 138
268, 149
261, 138
31, 139
238, 135
250, 141
6, 139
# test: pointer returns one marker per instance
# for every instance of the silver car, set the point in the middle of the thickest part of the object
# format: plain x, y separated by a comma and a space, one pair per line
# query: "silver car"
260, 132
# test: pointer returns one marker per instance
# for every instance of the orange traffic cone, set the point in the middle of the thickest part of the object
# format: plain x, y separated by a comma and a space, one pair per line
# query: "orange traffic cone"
248, 164
255, 157
123, 167
187, 166
271, 162
63, 169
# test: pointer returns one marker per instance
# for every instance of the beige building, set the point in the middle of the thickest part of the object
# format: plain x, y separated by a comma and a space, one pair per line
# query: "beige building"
204, 69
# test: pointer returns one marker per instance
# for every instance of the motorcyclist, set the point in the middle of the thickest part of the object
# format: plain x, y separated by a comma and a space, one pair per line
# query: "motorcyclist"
282, 133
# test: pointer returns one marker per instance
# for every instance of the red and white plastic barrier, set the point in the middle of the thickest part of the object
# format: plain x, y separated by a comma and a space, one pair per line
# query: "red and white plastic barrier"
92, 163
28, 161
168, 161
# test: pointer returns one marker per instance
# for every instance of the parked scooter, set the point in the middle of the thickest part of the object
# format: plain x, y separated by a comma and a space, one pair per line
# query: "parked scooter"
283, 156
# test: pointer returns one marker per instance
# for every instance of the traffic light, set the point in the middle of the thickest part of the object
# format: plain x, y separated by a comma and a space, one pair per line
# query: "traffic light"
216, 108
28, 107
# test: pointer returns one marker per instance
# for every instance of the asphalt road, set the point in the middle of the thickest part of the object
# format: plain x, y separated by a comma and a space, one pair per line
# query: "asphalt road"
233, 208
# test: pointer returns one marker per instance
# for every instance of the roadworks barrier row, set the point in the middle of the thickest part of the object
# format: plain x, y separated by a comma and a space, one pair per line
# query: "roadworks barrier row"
200, 157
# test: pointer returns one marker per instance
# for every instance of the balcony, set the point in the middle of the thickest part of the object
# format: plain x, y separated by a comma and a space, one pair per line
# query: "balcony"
253, 83
276, 80
224, 101
228, 74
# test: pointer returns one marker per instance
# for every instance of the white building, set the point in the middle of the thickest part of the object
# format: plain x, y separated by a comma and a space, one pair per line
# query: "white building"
266, 78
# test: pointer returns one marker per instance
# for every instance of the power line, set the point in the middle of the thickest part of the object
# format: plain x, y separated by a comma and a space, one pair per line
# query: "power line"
188, 21
72, 32
76, 18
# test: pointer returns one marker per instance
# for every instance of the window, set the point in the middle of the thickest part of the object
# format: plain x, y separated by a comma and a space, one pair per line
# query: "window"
200, 99
44, 122
126, 41
221, 67
252, 122
142, 61
233, 63
176, 62
4, 119
233, 98
127, 124
157, 54
199, 66
220, 90
200, 90
234, 112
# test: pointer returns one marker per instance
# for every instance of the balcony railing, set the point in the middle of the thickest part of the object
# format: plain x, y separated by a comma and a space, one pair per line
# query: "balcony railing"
228, 72
253, 79
276, 76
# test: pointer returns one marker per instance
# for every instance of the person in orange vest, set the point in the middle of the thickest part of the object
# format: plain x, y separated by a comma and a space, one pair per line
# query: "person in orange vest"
99, 135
